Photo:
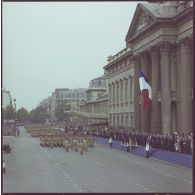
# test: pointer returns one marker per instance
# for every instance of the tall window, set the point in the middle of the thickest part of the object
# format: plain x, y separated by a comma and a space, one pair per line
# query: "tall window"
131, 87
126, 120
117, 84
113, 93
109, 94
121, 90
126, 83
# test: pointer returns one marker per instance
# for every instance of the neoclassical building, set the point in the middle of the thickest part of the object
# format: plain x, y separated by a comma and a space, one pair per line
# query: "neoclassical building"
120, 88
97, 96
159, 43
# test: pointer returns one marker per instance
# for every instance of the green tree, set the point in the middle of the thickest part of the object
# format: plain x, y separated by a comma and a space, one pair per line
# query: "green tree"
4, 113
59, 111
31, 115
22, 115
38, 115
10, 112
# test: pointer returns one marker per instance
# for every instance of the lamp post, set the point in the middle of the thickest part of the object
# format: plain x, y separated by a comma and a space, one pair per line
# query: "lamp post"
15, 108
16, 132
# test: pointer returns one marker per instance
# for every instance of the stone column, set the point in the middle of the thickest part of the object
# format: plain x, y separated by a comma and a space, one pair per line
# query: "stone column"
109, 119
186, 87
109, 94
137, 114
109, 105
165, 87
120, 119
178, 85
145, 114
128, 92
155, 110
124, 122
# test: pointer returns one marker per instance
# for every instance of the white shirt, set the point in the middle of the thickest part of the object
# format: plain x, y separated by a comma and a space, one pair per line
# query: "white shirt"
147, 147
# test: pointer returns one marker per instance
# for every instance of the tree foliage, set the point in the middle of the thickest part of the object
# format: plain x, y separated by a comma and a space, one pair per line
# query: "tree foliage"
9, 113
38, 115
22, 115
4, 113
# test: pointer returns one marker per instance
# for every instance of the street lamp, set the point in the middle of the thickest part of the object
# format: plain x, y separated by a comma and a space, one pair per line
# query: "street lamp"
15, 108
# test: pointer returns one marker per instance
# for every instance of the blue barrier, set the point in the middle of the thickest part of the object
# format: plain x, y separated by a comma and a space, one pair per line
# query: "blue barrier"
167, 156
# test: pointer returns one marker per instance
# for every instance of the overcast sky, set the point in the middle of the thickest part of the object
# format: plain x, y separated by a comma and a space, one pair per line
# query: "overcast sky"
59, 45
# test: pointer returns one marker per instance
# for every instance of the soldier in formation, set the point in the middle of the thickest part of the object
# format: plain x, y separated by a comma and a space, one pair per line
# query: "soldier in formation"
49, 137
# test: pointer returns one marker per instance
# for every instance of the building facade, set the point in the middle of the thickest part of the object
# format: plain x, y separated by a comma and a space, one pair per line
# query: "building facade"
120, 89
6, 100
72, 97
159, 43
97, 96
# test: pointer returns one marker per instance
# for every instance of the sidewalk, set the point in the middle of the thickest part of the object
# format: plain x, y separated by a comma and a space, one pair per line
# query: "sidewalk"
184, 160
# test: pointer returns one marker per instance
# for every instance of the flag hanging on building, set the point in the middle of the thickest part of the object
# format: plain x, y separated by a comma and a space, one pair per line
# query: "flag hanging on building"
146, 91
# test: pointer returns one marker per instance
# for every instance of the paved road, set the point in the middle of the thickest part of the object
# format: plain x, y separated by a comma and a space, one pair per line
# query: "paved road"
32, 168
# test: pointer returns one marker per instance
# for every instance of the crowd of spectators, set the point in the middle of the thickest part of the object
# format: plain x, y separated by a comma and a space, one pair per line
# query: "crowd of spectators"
9, 131
171, 142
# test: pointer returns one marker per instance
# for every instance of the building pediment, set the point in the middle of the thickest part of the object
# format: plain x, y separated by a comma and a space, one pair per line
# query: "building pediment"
142, 19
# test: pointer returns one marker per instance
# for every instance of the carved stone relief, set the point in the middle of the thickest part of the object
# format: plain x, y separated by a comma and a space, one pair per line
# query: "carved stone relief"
143, 21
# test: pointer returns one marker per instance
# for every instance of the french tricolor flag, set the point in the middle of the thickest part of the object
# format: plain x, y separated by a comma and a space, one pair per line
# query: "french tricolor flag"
146, 91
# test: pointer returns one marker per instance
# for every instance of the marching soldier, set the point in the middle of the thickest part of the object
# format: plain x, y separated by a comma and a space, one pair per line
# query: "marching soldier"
66, 145
81, 148
42, 141
51, 142
85, 145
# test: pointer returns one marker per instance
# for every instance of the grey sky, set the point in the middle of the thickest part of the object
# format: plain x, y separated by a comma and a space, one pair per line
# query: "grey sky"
59, 45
